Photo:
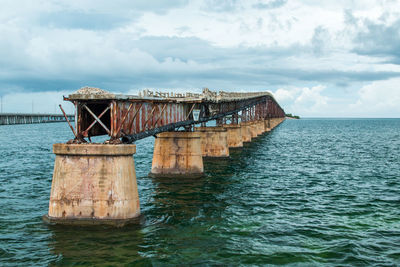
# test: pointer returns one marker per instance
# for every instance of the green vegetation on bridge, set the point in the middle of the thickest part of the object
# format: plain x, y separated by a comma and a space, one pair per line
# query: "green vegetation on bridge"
289, 115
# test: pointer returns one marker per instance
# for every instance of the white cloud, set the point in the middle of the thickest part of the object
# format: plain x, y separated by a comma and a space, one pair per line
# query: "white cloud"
305, 101
283, 95
378, 99
312, 97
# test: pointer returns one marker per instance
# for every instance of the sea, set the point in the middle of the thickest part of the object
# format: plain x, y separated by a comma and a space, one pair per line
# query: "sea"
313, 192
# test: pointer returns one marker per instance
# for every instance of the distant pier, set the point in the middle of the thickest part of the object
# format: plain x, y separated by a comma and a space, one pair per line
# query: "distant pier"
27, 118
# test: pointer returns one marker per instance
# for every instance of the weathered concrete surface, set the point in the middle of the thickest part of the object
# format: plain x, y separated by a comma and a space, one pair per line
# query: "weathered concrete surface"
253, 129
214, 141
93, 184
267, 125
245, 130
234, 136
270, 124
177, 154
259, 127
276, 121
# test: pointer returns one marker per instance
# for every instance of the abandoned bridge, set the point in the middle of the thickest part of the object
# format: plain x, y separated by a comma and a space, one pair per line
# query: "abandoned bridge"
96, 183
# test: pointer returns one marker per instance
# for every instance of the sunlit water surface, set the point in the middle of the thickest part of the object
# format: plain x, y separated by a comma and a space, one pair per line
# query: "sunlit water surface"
312, 192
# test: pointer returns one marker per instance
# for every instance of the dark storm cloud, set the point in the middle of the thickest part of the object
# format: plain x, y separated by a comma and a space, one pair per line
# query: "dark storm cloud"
379, 40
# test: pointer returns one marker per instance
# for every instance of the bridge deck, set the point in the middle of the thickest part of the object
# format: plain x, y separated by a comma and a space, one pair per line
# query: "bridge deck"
133, 117
28, 118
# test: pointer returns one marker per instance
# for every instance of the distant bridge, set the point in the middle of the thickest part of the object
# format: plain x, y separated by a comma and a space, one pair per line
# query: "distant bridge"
27, 118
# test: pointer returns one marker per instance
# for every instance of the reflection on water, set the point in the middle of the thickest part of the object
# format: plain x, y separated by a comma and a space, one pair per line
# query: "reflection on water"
311, 192
96, 245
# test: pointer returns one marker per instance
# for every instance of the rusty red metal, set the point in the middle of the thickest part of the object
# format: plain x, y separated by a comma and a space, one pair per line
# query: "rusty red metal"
69, 123
120, 116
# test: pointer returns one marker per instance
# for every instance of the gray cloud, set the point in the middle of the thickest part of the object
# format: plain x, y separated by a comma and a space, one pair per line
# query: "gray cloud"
124, 6
81, 46
82, 20
91, 16
270, 4
320, 40
221, 5
124, 45
379, 40
178, 62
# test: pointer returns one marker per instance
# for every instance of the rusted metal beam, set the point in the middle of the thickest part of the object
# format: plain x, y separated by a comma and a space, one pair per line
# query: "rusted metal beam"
69, 123
134, 115
191, 110
85, 132
97, 119
170, 127
123, 119
151, 117
159, 117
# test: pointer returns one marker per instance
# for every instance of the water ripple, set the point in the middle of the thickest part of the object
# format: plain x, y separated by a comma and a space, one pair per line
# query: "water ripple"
312, 192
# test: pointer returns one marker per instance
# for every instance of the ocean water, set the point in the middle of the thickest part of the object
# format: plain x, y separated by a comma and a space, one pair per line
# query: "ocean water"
314, 192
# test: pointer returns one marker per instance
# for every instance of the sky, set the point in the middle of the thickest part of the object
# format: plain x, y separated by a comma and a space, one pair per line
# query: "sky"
319, 58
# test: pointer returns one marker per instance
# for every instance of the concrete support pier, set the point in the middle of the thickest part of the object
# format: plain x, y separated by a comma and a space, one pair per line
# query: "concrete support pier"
263, 126
214, 141
276, 121
253, 129
260, 127
177, 154
234, 136
93, 184
245, 130
267, 125
271, 123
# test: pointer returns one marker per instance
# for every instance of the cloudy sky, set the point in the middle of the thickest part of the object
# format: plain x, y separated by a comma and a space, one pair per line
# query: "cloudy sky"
336, 59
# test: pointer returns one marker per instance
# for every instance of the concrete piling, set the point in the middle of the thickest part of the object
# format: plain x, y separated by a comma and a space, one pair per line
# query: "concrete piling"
234, 135
253, 129
271, 123
245, 131
177, 154
259, 127
267, 125
93, 184
214, 141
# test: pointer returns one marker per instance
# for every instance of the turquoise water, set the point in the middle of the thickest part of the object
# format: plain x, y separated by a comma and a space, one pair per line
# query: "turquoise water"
312, 192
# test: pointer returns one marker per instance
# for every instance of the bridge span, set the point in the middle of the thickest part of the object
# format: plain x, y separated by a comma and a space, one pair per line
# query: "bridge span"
30, 118
96, 183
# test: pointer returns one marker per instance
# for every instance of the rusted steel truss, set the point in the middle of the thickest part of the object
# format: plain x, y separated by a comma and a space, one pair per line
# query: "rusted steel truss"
130, 119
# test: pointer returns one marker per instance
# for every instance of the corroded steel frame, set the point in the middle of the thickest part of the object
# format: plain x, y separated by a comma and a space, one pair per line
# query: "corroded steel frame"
138, 117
